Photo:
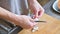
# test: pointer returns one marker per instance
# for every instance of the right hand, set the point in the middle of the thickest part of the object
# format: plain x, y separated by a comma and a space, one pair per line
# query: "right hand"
21, 20
26, 22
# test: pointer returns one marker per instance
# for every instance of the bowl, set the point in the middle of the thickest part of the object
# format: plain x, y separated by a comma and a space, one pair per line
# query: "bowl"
55, 7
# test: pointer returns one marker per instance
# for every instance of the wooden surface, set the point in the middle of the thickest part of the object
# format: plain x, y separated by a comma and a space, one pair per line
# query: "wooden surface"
51, 27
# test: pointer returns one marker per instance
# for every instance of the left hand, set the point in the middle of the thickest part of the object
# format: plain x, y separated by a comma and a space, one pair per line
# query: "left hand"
36, 8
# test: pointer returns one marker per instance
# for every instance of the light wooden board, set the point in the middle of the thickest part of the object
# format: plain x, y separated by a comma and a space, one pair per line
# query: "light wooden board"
51, 27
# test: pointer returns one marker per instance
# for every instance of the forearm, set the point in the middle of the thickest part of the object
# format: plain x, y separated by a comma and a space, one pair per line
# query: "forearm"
8, 16
31, 1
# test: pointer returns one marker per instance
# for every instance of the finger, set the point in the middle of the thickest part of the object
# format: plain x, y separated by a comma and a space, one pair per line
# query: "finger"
31, 24
35, 14
40, 13
34, 23
31, 20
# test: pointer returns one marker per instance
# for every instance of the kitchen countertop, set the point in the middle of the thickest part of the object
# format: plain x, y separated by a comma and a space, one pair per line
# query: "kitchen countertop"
53, 20
51, 27
53, 23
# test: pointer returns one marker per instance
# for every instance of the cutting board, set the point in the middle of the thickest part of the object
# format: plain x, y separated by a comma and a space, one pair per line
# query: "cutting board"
51, 27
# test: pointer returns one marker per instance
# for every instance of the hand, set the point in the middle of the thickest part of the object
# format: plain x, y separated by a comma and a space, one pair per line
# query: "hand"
36, 8
22, 20
26, 22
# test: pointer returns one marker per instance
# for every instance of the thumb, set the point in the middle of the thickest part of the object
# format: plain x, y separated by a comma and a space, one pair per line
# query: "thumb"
35, 15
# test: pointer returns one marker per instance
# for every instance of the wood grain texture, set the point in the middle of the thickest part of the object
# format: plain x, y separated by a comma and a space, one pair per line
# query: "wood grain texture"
51, 27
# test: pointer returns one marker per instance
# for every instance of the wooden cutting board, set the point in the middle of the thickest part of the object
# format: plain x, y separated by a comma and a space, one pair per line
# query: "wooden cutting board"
51, 27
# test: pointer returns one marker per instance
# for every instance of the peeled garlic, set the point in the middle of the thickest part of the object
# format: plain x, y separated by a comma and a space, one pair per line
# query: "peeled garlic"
36, 19
35, 28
